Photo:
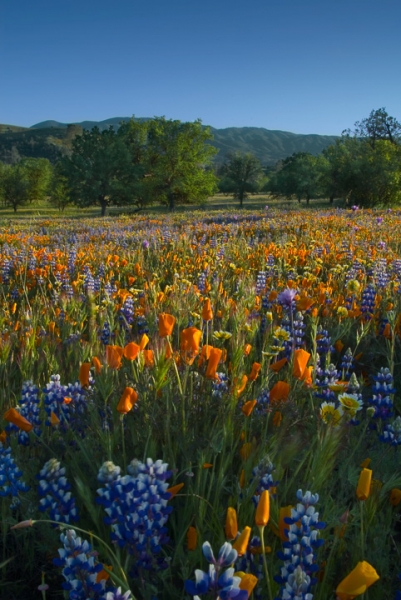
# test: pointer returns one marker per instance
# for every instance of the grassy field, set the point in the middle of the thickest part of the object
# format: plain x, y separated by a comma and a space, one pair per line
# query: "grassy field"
218, 202
197, 393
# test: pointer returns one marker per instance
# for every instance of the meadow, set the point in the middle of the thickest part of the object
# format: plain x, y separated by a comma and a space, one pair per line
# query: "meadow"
202, 404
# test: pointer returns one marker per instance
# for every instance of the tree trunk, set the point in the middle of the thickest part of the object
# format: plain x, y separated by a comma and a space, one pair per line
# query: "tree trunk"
171, 202
307, 199
331, 198
103, 205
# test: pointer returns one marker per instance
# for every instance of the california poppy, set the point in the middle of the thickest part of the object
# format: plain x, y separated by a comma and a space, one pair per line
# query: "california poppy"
248, 407
242, 385
301, 358
189, 344
395, 497
241, 543
127, 400
192, 538
213, 362
247, 349
131, 350
278, 365
357, 582
255, 371
263, 509
248, 583
364, 483
175, 489
283, 527
84, 374
113, 356
14, 417
149, 358
97, 364
144, 341
231, 527
279, 392
207, 313
166, 324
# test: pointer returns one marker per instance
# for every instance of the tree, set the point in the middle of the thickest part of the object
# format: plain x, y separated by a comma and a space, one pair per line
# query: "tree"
59, 192
242, 174
14, 185
99, 170
177, 161
39, 172
301, 175
378, 126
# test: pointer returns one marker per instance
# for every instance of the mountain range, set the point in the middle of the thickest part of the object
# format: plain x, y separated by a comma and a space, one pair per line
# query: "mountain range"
49, 138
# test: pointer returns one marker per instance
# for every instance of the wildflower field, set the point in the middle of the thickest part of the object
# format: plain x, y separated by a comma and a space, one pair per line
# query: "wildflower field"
201, 406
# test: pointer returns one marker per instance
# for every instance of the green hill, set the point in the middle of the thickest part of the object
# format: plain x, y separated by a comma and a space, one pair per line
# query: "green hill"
50, 139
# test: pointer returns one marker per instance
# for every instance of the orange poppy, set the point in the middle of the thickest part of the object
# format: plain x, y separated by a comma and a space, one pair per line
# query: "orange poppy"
192, 538
3, 437
127, 401
14, 417
166, 324
278, 365
248, 583
242, 385
283, 527
149, 358
255, 371
207, 313
144, 341
263, 509
190, 339
54, 420
97, 364
175, 489
241, 543
247, 349
113, 356
301, 358
248, 407
364, 483
231, 527
213, 362
84, 374
279, 392
131, 351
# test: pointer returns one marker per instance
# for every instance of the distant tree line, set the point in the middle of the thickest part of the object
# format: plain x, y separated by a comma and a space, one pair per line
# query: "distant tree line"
171, 162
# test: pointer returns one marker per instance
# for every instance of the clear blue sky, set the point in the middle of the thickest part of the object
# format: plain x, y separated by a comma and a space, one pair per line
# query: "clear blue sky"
307, 66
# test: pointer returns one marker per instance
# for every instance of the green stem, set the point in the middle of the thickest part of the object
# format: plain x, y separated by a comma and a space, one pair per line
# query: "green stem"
262, 540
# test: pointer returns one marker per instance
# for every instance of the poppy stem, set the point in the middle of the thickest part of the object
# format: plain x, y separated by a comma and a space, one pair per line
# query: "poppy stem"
175, 366
262, 541
123, 443
361, 503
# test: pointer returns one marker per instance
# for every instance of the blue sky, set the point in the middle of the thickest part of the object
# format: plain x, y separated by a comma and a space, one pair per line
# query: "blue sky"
306, 66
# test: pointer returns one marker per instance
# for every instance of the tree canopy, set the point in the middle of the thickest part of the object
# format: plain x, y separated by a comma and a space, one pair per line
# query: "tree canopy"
242, 174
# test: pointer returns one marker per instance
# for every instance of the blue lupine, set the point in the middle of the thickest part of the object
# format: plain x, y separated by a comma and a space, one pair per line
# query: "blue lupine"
106, 334
263, 475
297, 574
382, 391
220, 386
137, 510
225, 585
392, 433
80, 570
70, 414
29, 409
54, 490
9, 477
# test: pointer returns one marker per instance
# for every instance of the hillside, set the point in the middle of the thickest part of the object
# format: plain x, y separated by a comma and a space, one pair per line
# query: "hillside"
49, 139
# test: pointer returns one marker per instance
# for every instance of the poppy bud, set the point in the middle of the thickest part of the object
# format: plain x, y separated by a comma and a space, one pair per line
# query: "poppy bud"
263, 509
